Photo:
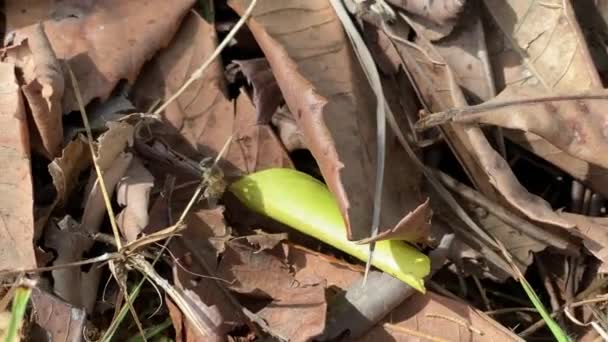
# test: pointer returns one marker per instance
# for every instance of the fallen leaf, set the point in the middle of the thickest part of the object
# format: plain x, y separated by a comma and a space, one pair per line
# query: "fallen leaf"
437, 318
326, 90
17, 204
576, 126
594, 232
486, 168
261, 275
290, 134
436, 18
43, 86
317, 268
64, 170
133, 192
69, 244
266, 93
204, 115
93, 37
541, 46
264, 240
60, 320
184, 330
439, 11
414, 227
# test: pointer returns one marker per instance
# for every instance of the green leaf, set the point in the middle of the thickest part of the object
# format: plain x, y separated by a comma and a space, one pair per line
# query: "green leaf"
305, 204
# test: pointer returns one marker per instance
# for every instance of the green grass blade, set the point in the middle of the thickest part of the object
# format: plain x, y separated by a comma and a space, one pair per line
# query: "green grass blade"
557, 331
22, 297
152, 331
107, 337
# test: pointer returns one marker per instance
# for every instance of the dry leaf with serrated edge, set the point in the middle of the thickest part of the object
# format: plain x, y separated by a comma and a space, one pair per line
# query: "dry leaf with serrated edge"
133, 192
17, 203
43, 86
106, 41
326, 90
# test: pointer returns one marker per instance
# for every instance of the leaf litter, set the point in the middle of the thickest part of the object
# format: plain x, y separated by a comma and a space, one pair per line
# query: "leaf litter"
510, 165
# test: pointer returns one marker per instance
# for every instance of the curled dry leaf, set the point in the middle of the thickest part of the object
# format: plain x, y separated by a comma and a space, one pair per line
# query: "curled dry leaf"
93, 36
60, 320
261, 275
133, 192
414, 227
17, 203
204, 115
43, 86
326, 90
436, 318
64, 170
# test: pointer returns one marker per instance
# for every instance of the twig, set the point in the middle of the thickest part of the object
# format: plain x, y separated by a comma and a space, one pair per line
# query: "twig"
198, 73
548, 282
102, 183
470, 114
507, 217
482, 292
510, 310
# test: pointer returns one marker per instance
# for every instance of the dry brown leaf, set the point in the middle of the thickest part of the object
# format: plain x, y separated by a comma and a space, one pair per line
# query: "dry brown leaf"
594, 232
486, 168
440, 11
326, 90
432, 317
466, 53
43, 86
204, 115
290, 134
133, 192
266, 93
60, 320
66, 238
106, 41
315, 268
261, 275
577, 126
541, 46
414, 227
264, 240
17, 203
64, 170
